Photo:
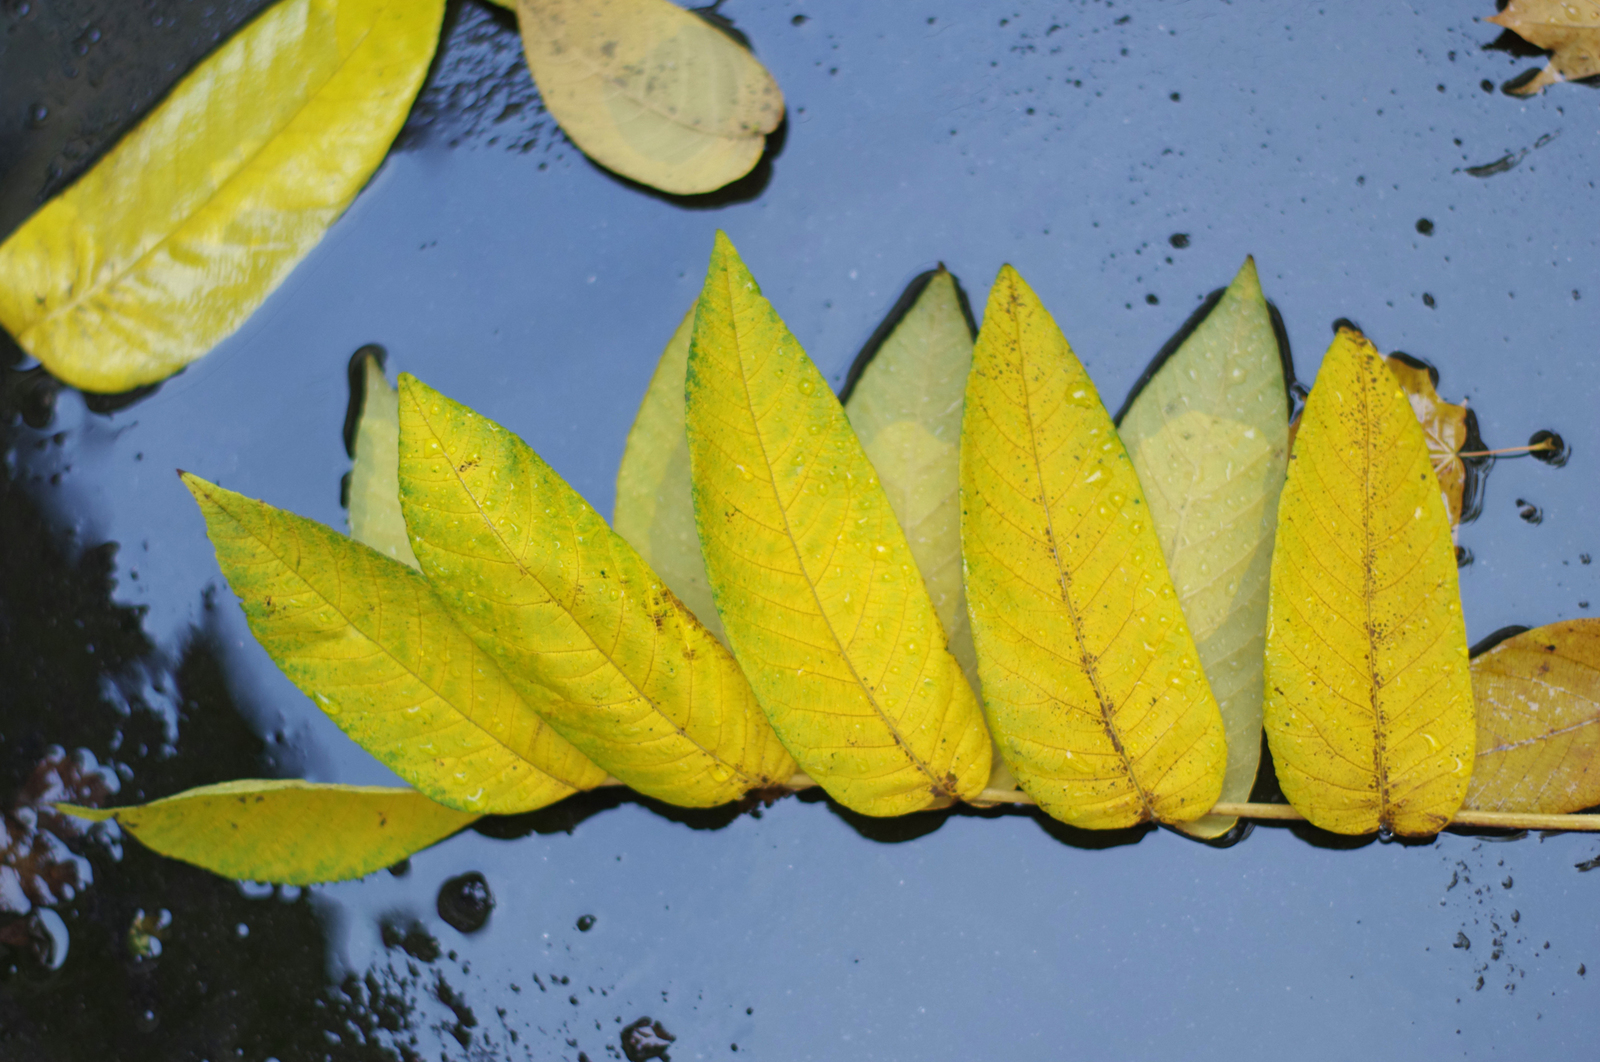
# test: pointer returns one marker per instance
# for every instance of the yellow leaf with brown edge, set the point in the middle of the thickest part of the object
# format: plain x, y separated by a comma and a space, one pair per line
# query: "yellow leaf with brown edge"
818, 590
173, 239
1569, 28
286, 832
654, 509
1444, 427
1208, 435
1369, 701
575, 618
651, 90
1091, 681
1538, 721
367, 639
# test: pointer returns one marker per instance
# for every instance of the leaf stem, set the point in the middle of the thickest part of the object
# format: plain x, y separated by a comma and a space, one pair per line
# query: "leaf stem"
1535, 448
1466, 817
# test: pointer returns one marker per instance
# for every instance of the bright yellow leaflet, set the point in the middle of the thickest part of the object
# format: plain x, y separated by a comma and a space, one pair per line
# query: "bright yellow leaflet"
1209, 437
287, 832
650, 90
818, 591
184, 228
1090, 678
366, 639
1369, 701
1538, 716
655, 508
577, 620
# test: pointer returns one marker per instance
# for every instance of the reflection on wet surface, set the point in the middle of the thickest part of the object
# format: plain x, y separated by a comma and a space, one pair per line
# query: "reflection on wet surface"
1126, 159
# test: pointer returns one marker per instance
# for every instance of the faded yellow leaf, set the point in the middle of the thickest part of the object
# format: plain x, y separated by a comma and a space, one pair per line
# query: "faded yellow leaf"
1208, 435
650, 90
819, 592
577, 620
368, 641
287, 832
1570, 28
1538, 701
655, 508
375, 517
1091, 681
1444, 427
174, 238
1369, 701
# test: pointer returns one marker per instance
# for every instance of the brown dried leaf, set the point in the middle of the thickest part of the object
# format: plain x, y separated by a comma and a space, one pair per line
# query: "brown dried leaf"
1570, 28
1538, 698
1444, 426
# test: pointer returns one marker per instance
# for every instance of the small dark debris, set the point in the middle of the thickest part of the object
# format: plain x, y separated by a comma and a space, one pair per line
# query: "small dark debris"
1583, 558
1529, 511
413, 940
585, 923
1151, 299
1428, 300
1175, 97
644, 1039
1425, 226
1582, 970
801, 20
1486, 85
1462, 942
1180, 240
1505, 162
1589, 864
1463, 556
465, 902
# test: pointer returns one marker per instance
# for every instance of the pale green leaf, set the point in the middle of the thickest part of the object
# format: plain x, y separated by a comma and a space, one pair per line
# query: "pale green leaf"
616, 663
368, 641
1209, 436
655, 508
287, 832
174, 238
375, 516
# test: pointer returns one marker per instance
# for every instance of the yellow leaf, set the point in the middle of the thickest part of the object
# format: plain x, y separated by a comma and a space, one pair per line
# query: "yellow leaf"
651, 91
1208, 436
367, 640
1369, 702
375, 517
286, 832
1538, 699
818, 590
655, 508
1570, 28
1090, 678
577, 620
1444, 428
184, 228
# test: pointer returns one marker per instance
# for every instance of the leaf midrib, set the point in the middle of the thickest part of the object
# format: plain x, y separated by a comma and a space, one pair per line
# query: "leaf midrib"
788, 531
557, 601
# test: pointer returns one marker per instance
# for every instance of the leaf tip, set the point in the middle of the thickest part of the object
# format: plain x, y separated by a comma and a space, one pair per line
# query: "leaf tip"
77, 811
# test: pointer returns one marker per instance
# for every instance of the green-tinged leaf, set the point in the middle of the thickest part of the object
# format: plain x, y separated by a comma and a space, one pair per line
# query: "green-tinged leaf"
1209, 437
573, 615
654, 508
1538, 721
817, 588
1369, 701
906, 410
179, 233
287, 832
375, 517
650, 90
1090, 677
367, 640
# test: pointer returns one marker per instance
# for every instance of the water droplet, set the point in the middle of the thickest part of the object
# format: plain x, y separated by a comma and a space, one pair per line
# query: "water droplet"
585, 923
806, 387
465, 902
744, 473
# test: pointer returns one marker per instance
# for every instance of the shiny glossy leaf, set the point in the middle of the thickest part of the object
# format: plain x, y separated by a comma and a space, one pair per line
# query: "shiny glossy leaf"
1369, 701
169, 242
818, 590
1208, 436
375, 517
655, 507
1090, 678
287, 832
577, 620
650, 90
367, 640
1538, 701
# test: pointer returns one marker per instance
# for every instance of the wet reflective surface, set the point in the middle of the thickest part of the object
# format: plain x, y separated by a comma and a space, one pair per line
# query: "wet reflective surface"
1125, 159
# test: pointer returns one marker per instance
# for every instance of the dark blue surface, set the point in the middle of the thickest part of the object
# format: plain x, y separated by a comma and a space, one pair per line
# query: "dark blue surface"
497, 264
